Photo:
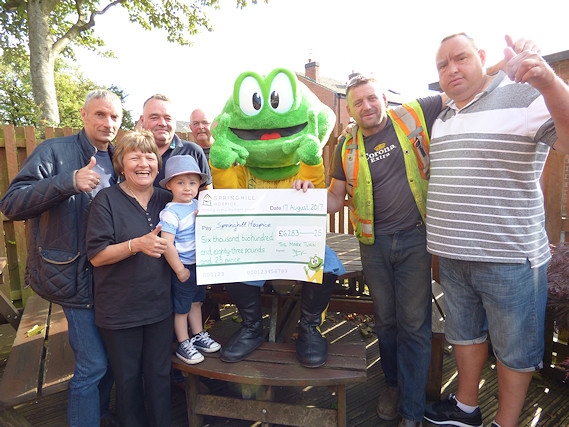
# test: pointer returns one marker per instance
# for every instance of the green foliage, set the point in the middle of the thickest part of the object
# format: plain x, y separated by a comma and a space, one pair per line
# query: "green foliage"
17, 104
73, 20
47, 29
127, 120
71, 88
179, 19
13, 23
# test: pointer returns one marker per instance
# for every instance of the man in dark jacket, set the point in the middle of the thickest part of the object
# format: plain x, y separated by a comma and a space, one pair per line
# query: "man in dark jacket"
52, 192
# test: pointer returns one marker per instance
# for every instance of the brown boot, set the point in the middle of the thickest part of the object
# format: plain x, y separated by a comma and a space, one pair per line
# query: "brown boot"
388, 403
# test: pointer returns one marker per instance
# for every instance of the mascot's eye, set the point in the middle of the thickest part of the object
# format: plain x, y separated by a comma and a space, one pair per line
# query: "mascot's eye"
275, 99
257, 101
282, 97
250, 96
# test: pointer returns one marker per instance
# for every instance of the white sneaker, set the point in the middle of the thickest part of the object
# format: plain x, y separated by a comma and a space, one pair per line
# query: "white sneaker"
205, 343
188, 353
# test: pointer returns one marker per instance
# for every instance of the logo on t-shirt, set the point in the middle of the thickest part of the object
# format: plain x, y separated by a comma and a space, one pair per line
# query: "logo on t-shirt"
380, 151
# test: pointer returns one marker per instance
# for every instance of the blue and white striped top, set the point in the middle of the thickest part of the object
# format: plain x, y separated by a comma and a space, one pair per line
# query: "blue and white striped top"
484, 201
180, 219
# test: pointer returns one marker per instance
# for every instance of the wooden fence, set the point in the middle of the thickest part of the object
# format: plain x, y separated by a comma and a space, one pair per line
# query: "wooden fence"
16, 143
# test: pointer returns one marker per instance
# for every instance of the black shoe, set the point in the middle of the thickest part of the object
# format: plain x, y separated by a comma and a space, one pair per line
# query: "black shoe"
311, 346
250, 336
243, 342
448, 413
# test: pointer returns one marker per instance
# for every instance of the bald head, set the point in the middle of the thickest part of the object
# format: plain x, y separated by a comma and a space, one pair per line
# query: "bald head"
199, 125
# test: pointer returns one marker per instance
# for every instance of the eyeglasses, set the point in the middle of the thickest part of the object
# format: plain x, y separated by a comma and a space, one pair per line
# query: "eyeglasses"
359, 79
203, 123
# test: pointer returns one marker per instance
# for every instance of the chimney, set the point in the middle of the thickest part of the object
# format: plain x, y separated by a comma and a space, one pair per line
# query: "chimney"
312, 70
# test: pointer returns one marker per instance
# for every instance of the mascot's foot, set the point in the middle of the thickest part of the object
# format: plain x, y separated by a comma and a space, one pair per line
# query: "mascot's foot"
311, 347
243, 342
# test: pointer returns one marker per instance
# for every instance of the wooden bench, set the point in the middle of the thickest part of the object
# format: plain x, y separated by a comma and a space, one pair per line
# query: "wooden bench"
556, 349
40, 364
281, 329
8, 312
274, 364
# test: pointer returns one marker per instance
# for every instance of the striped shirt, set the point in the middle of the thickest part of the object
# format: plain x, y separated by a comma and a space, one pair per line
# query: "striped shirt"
180, 219
484, 201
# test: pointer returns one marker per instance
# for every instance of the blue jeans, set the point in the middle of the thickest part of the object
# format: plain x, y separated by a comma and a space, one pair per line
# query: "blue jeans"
397, 269
85, 401
506, 300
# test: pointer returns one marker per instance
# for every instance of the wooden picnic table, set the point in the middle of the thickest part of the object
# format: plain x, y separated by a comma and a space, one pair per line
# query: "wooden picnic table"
347, 247
269, 366
8, 311
348, 297
40, 362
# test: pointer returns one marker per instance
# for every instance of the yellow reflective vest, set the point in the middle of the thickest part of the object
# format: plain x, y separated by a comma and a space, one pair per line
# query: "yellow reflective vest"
411, 129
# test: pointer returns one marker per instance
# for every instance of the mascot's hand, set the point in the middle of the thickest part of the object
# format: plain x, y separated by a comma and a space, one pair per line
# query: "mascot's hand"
224, 153
308, 148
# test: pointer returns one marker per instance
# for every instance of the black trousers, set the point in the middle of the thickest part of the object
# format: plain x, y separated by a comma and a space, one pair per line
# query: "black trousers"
141, 359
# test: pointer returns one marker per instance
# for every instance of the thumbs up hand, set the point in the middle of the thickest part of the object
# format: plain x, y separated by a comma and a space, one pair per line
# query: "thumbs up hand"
151, 243
86, 179
513, 48
528, 66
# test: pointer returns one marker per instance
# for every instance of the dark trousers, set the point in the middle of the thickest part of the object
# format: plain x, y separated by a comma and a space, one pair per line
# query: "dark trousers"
141, 358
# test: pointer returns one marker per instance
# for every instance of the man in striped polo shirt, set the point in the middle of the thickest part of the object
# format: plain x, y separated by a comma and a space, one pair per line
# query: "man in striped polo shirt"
486, 220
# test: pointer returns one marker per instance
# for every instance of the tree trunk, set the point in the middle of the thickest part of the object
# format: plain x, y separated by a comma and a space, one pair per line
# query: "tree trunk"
42, 60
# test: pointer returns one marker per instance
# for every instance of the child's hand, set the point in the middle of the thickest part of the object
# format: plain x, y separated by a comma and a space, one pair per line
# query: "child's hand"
183, 275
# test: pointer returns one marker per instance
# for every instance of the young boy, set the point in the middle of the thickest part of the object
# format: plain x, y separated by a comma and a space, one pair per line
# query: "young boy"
183, 178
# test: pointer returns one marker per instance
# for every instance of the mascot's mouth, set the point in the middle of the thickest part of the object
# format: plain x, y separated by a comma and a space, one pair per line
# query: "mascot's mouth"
267, 134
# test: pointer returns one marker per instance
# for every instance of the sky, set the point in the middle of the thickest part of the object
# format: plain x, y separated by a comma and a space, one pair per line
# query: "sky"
395, 41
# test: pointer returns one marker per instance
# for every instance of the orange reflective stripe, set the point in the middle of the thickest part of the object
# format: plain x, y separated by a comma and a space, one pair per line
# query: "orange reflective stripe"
351, 164
363, 227
417, 136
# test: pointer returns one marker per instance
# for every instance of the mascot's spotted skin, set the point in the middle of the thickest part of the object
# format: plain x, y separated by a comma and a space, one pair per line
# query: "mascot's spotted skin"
270, 133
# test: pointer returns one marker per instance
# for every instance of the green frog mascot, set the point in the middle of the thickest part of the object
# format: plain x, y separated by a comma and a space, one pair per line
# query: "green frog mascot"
270, 133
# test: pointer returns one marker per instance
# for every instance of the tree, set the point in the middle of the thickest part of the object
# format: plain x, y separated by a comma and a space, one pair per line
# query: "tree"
72, 87
127, 120
17, 104
47, 29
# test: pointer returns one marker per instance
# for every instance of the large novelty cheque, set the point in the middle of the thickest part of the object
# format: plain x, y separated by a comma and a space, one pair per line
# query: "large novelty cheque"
246, 235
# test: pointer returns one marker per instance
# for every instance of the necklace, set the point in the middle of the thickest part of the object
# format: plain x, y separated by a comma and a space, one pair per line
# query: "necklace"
134, 195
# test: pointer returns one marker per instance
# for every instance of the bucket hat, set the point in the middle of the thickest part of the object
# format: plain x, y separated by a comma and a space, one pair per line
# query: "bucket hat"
180, 165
